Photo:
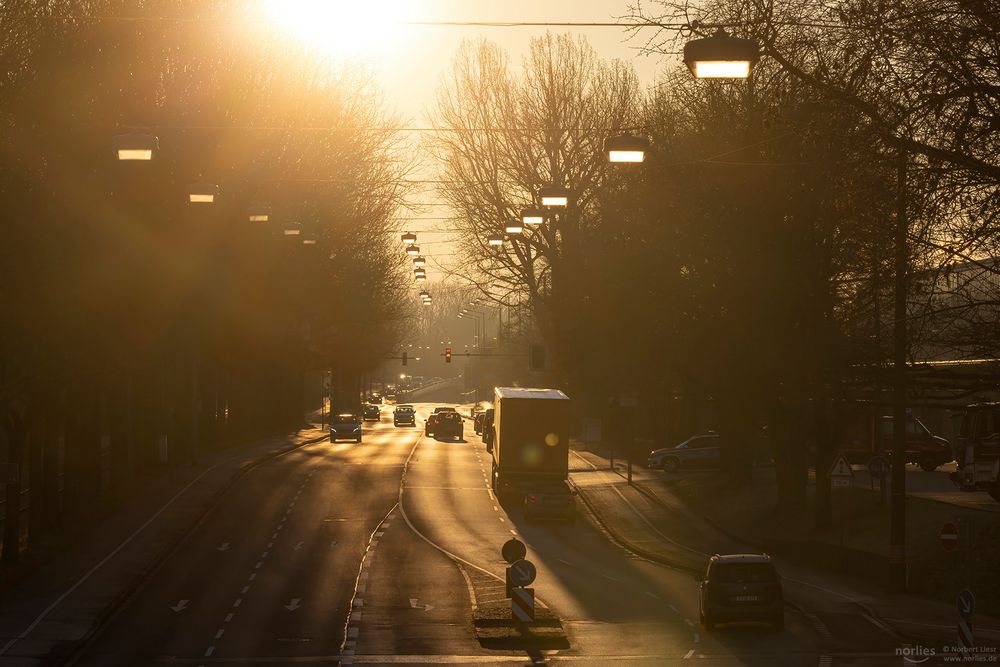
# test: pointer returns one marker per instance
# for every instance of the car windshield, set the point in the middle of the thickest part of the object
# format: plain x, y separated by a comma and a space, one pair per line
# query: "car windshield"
742, 572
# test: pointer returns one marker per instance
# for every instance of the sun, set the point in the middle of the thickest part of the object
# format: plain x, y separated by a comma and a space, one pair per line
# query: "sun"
342, 28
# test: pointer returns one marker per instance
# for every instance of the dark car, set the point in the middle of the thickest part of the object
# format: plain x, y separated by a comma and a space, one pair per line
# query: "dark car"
447, 425
372, 413
701, 451
742, 587
346, 426
478, 421
404, 415
444, 408
551, 501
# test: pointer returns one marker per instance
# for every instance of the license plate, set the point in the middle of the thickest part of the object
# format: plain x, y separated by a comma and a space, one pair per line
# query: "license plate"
747, 598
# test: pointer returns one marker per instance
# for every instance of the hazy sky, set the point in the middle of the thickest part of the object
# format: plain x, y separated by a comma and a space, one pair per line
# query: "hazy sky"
409, 60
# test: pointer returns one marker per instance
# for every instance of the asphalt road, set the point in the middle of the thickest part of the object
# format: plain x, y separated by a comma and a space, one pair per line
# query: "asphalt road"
333, 552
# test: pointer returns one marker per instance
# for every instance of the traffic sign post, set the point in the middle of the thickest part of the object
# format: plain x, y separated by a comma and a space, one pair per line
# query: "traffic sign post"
966, 603
840, 478
522, 572
513, 550
522, 605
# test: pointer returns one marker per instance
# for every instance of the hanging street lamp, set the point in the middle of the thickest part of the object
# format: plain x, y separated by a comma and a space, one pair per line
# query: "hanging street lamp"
554, 195
532, 216
202, 193
721, 56
135, 146
626, 148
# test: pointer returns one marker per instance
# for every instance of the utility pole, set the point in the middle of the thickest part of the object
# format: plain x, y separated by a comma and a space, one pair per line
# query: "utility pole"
897, 507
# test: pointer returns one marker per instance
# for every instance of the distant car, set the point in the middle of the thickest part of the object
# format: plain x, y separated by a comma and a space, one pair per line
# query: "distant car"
741, 587
404, 415
701, 451
551, 501
372, 413
345, 426
448, 425
389, 398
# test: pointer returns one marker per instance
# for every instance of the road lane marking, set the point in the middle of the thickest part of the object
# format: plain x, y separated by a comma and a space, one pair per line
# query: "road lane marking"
608, 576
362, 588
229, 617
688, 654
238, 602
209, 651
219, 633
270, 544
253, 575
688, 621
565, 562
652, 595
245, 589
697, 638
257, 566
672, 607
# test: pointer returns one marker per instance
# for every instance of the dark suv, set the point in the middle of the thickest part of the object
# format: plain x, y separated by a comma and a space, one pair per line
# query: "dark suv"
372, 413
446, 425
345, 427
742, 587
404, 415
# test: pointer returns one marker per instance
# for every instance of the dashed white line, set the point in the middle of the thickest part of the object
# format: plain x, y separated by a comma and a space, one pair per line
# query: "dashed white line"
270, 544
688, 621
245, 589
652, 595
209, 651
672, 607
688, 654
264, 555
219, 633
238, 602
257, 566
825, 661
229, 617
253, 575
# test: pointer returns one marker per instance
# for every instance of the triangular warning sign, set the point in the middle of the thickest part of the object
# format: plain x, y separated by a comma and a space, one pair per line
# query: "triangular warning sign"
841, 468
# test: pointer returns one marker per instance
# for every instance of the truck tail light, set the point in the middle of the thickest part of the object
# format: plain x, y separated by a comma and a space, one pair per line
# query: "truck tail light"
532, 499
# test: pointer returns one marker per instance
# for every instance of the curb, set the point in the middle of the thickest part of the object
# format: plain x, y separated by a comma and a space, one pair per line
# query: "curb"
74, 652
626, 544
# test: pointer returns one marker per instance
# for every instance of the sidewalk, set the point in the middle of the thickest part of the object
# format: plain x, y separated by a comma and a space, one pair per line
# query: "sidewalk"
64, 600
650, 519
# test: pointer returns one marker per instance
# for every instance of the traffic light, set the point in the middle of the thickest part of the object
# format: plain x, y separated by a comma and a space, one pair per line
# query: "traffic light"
447, 355
404, 358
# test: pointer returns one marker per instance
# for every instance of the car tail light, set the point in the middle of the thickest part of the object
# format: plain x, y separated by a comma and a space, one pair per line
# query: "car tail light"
570, 499
532, 499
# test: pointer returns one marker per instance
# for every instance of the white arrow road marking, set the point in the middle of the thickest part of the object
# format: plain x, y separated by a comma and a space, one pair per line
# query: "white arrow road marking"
181, 605
299, 546
294, 604
414, 605
223, 547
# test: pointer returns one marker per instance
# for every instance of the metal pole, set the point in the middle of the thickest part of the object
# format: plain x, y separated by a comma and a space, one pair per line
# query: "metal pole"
897, 531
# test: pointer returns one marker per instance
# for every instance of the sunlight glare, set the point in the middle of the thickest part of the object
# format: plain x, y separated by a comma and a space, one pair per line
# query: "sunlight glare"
342, 28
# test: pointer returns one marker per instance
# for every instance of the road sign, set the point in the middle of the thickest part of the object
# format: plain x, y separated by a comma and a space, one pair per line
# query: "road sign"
965, 638
966, 603
513, 549
840, 482
522, 604
841, 469
522, 572
949, 536
878, 467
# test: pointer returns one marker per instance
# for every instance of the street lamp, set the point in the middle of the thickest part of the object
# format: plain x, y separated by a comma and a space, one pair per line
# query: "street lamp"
259, 214
419, 261
626, 148
413, 250
495, 240
514, 227
409, 238
293, 229
554, 195
421, 278
202, 193
424, 294
419, 273
532, 216
135, 146
721, 56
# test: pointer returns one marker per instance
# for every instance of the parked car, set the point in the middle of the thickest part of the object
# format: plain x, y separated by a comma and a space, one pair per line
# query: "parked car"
345, 426
404, 415
700, 451
372, 413
741, 587
448, 425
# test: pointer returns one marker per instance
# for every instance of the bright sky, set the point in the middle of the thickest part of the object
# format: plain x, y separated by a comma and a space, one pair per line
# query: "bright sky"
409, 60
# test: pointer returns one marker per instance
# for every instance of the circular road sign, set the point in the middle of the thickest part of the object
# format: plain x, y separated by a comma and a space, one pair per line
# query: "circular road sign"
878, 467
513, 549
949, 536
522, 572
966, 603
